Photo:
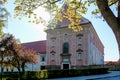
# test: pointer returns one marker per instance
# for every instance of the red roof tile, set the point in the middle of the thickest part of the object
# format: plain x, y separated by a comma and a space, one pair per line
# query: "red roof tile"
65, 22
38, 46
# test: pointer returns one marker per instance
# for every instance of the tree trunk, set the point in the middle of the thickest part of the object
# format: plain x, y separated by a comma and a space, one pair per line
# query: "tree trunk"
23, 67
20, 74
110, 18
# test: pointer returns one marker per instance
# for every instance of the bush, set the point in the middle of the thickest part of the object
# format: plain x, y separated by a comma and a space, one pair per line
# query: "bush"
43, 74
37, 74
75, 72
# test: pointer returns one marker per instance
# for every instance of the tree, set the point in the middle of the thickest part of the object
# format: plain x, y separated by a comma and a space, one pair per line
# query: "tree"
15, 55
3, 16
76, 9
28, 56
21, 57
79, 6
4, 48
112, 20
4, 51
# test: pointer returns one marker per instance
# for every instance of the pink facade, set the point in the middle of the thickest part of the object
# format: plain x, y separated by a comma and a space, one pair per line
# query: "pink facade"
69, 49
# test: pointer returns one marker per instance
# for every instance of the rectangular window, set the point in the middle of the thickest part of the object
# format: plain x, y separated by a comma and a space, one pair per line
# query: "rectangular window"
52, 42
42, 58
52, 57
65, 37
79, 56
79, 41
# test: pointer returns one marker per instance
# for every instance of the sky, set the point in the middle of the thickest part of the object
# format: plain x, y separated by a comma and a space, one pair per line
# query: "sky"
29, 32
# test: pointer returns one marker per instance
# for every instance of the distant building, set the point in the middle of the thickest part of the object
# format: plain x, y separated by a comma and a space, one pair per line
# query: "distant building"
113, 65
110, 62
40, 48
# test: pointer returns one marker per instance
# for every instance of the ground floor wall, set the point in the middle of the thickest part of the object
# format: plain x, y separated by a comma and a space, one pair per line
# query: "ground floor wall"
53, 67
56, 67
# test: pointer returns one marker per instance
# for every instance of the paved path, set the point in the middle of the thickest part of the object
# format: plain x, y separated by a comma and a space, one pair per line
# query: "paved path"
111, 74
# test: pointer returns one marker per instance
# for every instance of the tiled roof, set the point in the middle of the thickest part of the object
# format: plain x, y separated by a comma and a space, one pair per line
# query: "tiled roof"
38, 46
65, 22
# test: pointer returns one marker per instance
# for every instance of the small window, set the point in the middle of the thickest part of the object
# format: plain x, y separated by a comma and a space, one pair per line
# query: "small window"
79, 41
79, 56
65, 37
53, 42
43, 59
52, 57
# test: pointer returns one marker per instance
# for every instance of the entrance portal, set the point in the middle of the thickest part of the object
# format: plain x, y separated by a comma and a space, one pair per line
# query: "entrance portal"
65, 66
42, 67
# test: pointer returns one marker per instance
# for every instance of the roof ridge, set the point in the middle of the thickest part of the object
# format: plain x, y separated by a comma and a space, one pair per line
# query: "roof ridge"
34, 41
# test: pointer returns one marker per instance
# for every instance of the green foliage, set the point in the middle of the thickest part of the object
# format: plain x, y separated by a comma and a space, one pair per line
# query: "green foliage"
13, 53
37, 74
3, 15
44, 74
76, 8
112, 2
75, 72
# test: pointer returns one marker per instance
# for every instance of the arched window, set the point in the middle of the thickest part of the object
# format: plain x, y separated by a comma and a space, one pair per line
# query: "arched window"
65, 48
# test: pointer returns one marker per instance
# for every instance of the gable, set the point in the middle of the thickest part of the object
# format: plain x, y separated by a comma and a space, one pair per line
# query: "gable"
65, 22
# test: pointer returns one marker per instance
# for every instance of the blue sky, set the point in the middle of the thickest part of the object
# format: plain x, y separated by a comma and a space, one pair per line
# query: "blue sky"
28, 32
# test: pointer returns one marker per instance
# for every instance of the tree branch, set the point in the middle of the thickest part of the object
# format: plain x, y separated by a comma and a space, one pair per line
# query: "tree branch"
110, 18
48, 2
107, 14
55, 2
119, 11
115, 1
43, 3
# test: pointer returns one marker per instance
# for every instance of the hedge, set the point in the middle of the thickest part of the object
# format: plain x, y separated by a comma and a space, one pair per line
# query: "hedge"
47, 74
75, 72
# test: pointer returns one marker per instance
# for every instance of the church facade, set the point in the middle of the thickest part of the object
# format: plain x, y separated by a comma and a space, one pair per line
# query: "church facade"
66, 49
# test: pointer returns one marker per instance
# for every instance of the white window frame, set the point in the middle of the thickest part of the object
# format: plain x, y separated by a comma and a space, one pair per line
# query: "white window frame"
42, 58
52, 56
65, 37
79, 40
79, 56
53, 42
